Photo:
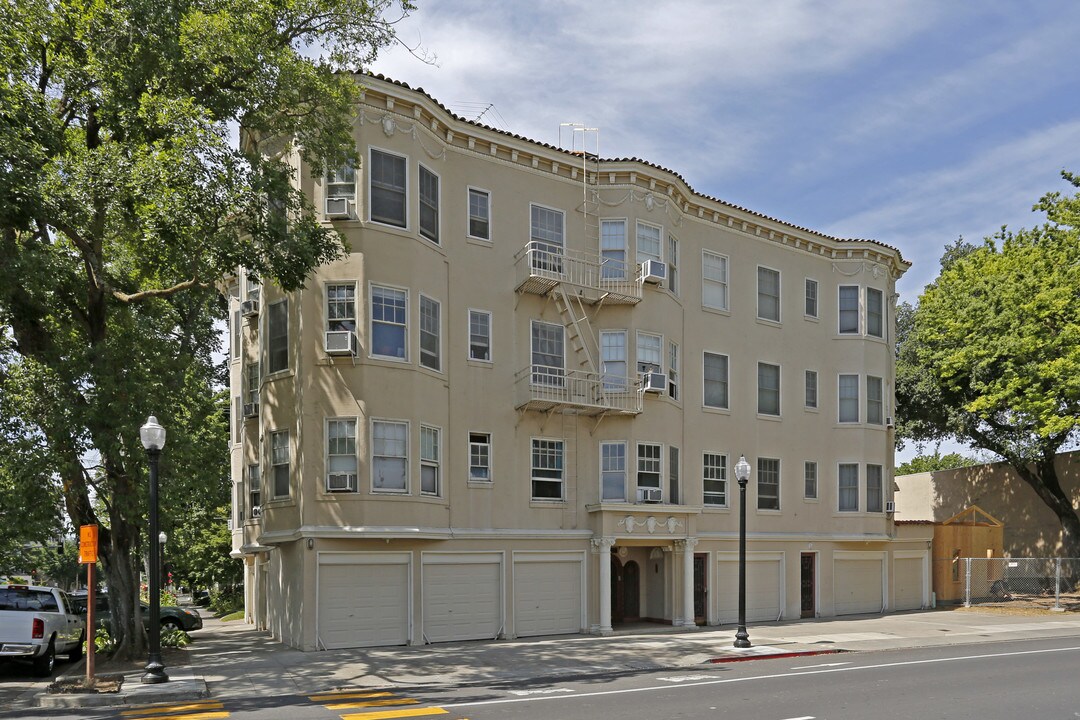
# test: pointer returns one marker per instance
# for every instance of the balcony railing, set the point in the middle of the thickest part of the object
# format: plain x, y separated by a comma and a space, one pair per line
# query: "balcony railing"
541, 266
542, 387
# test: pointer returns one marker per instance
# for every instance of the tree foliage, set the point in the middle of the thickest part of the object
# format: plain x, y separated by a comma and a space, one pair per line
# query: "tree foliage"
123, 208
934, 462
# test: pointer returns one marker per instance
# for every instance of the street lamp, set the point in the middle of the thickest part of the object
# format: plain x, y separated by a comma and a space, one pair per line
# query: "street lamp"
153, 439
742, 474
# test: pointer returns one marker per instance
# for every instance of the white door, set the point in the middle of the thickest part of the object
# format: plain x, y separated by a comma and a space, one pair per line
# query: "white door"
547, 595
857, 586
363, 600
462, 596
907, 583
764, 587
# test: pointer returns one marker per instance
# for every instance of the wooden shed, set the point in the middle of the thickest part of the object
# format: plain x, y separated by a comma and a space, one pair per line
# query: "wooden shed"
971, 533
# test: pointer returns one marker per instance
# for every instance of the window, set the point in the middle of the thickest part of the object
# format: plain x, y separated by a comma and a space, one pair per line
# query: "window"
389, 455
768, 484
546, 234
768, 393
673, 264
252, 373
388, 182
547, 354
874, 402
613, 249
479, 457
341, 455
849, 309
237, 419
848, 398
429, 205
849, 487
716, 380
613, 471
768, 294
341, 307
810, 480
648, 465
430, 451
714, 473
673, 473
875, 312
874, 487
254, 487
235, 335
956, 565
547, 469
613, 359
277, 345
648, 242
649, 353
253, 289
430, 352
479, 214
341, 181
673, 371
389, 310
714, 280
810, 308
811, 389
279, 462
480, 335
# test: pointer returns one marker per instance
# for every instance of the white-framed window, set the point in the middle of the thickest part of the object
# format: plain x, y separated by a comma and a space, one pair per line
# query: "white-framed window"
648, 242
254, 490
279, 463
875, 313
234, 336
874, 489
768, 389
547, 469
547, 230
548, 358
430, 460
480, 457
673, 474
673, 264
613, 471
811, 389
673, 371
252, 288
848, 487
768, 484
613, 249
429, 205
389, 455
341, 306
613, 359
237, 419
430, 333
388, 175
810, 307
768, 294
277, 340
341, 461
252, 377
341, 181
714, 280
479, 214
649, 353
810, 480
480, 335
875, 404
714, 479
847, 389
389, 322
649, 464
848, 309
715, 368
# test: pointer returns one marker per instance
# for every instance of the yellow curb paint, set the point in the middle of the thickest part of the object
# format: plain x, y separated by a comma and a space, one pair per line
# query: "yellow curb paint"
186, 707
190, 716
371, 703
347, 695
387, 714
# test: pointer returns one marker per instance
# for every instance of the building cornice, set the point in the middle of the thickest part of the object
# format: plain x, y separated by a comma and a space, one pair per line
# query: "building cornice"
397, 532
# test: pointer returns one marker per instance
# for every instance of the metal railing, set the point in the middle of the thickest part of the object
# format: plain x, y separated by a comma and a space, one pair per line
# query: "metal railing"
543, 387
541, 266
1050, 583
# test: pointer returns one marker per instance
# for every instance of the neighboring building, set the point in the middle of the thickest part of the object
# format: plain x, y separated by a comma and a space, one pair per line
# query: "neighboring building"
971, 533
515, 408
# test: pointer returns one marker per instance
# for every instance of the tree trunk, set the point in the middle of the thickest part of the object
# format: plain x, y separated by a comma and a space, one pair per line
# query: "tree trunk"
1043, 479
122, 575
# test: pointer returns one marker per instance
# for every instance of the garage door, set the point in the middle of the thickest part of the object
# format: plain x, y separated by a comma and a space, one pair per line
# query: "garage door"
462, 596
764, 587
547, 595
363, 599
908, 578
857, 585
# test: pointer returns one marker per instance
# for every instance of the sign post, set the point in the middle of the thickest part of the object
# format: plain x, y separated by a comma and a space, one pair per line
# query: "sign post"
88, 554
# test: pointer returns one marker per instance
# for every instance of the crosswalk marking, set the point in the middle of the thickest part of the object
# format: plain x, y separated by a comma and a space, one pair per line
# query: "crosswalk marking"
387, 714
346, 695
207, 705
371, 703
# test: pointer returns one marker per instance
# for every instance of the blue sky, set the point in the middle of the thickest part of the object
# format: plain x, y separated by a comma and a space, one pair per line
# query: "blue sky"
911, 122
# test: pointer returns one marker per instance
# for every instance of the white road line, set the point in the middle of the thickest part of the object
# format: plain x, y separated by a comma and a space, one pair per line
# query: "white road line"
686, 678
543, 691
804, 717
823, 665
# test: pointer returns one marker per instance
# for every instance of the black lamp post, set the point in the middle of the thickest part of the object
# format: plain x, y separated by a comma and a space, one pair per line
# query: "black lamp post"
742, 474
153, 439
162, 538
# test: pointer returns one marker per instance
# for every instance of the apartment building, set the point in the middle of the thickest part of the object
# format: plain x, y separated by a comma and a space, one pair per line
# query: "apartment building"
516, 407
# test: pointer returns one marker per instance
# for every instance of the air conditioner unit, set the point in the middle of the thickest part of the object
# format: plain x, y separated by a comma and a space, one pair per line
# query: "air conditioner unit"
890, 506
341, 342
650, 495
339, 207
341, 482
249, 308
654, 382
251, 410
890, 422
653, 271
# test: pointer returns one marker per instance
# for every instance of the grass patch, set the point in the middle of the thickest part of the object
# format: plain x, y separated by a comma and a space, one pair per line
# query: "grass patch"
238, 615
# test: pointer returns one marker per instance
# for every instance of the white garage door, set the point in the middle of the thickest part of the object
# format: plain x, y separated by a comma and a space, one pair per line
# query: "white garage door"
547, 595
764, 589
363, 599
857, 586
908, 583
462, 596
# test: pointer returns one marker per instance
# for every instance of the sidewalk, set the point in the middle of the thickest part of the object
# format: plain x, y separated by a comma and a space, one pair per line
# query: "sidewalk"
234, 660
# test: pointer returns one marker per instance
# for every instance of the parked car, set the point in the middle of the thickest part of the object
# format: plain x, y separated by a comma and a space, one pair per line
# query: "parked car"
170, 616
36, 623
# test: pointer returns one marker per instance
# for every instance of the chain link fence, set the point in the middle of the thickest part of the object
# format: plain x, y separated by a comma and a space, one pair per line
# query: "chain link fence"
1048, 583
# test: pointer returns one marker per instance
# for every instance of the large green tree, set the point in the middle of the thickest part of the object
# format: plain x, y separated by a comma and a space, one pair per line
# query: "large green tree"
991, 355
124, 206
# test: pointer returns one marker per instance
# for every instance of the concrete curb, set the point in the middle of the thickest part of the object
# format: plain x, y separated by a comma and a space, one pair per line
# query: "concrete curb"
174, 691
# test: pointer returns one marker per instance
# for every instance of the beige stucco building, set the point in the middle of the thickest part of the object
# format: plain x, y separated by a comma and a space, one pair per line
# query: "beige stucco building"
515, 408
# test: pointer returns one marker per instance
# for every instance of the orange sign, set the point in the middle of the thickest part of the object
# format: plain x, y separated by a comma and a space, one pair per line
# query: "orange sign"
88, 544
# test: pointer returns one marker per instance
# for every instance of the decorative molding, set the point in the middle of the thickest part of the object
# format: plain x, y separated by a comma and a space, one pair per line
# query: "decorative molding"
650, 524
602, 544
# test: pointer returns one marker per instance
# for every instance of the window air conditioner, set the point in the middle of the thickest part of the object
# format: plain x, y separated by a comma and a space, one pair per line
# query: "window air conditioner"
341, 482
249, 308
654, 382
341, 342
650, 495
251, 410
890, 506
653, 271
339, 207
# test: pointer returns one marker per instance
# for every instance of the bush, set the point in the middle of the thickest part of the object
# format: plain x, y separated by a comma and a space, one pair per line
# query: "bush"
227, 600
103, 641
167, 598
175, 638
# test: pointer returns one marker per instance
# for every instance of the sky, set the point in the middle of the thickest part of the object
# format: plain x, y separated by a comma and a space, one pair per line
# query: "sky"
910, 122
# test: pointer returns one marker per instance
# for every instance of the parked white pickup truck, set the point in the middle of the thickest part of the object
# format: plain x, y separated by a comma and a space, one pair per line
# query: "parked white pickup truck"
37, 623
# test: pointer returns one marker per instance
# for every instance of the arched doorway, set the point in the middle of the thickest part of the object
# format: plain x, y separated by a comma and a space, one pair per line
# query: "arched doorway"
625, 591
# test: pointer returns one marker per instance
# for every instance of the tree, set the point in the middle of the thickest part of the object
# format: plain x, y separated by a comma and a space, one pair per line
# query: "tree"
935, 462
123, 211
991, 356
